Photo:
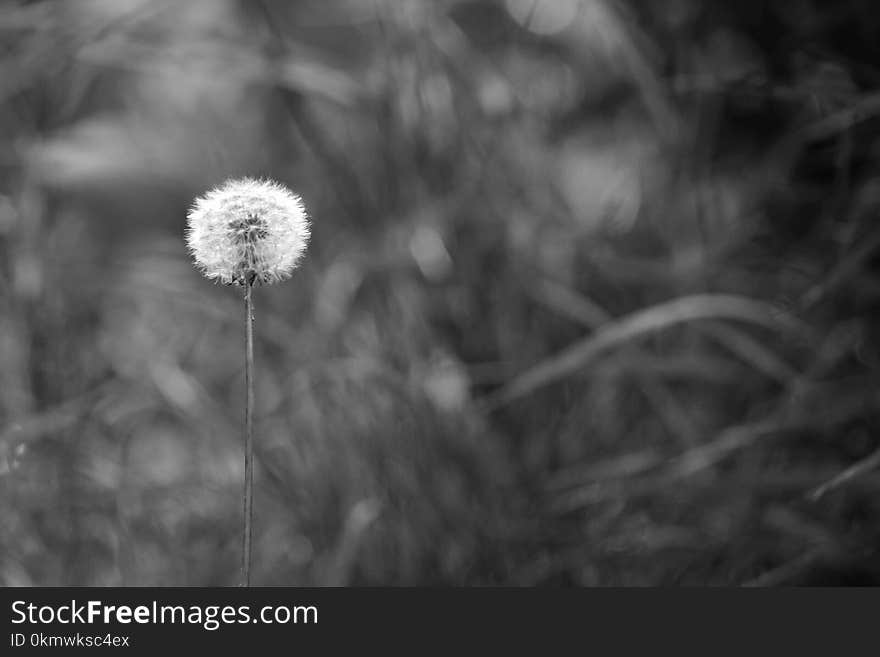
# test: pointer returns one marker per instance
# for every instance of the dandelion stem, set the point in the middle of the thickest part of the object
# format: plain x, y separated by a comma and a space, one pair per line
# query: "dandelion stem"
248, 436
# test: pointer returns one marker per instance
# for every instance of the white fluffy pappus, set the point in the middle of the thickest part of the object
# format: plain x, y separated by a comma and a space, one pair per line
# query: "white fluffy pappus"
247, 230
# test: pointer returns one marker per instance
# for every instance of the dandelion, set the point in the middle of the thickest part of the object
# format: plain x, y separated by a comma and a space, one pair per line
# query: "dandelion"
247, 231
244, 232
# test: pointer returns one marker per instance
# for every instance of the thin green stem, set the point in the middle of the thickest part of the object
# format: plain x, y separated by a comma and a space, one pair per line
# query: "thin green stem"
248, 436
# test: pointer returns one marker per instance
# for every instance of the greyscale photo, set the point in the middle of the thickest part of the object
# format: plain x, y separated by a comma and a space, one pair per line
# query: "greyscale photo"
447, 293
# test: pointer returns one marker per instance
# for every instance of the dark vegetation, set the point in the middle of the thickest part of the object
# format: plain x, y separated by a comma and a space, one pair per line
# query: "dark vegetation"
591, 297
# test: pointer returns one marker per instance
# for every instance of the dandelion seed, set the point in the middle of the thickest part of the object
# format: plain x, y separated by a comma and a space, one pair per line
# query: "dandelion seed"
246, 231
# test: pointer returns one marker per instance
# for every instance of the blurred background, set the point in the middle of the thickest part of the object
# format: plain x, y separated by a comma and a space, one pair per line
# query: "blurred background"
591, 297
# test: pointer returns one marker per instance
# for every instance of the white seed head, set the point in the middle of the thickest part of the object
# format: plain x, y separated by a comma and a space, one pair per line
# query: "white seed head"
247, 230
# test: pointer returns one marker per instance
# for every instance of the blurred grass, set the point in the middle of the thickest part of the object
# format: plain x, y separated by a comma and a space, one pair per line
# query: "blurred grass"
590, 298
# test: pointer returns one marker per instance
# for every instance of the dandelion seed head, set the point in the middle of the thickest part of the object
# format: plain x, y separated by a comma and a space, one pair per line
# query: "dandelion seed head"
247, 230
